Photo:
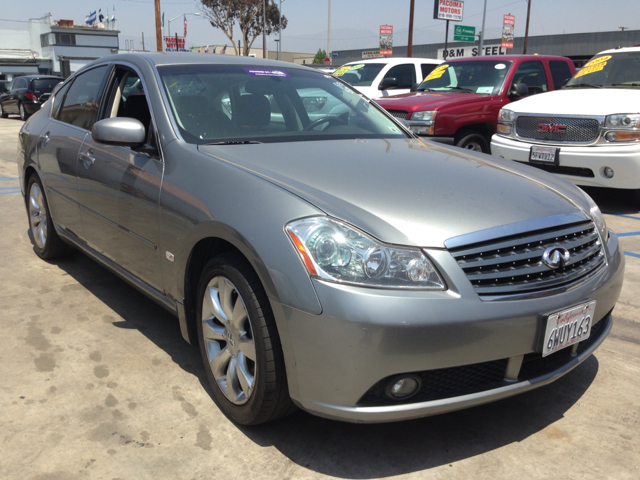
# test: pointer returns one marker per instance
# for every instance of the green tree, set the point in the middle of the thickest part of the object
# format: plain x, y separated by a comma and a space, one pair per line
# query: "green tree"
247, 14
320, 56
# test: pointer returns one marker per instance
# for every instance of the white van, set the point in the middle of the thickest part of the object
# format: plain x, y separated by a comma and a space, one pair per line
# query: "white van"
381, 77
588, 132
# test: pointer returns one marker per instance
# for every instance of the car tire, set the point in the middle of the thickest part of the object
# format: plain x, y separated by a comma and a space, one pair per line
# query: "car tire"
46, 242
23, 113
3, 114
474, 142
235, 323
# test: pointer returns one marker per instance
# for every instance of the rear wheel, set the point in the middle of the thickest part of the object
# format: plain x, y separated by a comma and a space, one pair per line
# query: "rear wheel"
46, 242
3, 114
474, 142
239, 343
22, 111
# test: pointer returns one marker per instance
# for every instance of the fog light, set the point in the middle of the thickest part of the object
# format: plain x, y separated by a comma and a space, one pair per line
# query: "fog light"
608, 172
401, 388
611, 136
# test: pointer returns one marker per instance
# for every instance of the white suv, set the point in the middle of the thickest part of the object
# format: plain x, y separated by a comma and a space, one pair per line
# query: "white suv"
588, 132
381, 77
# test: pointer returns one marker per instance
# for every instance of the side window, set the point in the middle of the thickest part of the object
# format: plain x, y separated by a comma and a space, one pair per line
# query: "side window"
405, 74
533, 76
82, 100
560, 72
427, 68
22, 83
57, 101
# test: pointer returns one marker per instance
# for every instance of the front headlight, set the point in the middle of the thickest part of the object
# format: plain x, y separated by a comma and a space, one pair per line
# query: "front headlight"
505, 122
624, 127
622, 120
596, 216
424, 115
334, 251
506, 115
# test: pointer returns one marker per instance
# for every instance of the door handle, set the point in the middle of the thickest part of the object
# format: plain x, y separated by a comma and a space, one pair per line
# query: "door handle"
87, 158
44, 139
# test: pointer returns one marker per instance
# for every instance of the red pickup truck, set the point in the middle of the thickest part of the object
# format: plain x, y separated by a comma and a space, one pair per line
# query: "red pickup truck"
458, 102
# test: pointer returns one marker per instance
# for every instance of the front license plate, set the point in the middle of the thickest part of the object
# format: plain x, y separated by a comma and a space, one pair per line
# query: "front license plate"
549, 155
568, 327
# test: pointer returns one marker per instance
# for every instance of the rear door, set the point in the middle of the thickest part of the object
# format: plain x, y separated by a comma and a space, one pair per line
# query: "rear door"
120, 186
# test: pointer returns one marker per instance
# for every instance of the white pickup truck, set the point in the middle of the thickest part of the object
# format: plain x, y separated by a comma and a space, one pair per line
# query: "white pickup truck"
588, 132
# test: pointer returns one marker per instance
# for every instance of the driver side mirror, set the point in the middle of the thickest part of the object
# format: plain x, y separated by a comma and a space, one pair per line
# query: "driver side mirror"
387, 83
120, 131
519, 90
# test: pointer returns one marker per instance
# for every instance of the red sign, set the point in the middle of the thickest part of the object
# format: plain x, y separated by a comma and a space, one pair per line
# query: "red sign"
170, 44
327, 61
508, 27
386, 39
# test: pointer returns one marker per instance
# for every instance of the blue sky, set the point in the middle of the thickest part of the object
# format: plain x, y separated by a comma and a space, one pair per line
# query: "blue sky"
354, 23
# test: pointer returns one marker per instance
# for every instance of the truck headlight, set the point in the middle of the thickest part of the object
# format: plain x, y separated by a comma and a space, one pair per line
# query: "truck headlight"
623, 127
424, 115
505, 122
334, 251
623, 120
428, 119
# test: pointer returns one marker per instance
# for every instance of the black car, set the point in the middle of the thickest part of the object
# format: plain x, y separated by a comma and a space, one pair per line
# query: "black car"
26, 94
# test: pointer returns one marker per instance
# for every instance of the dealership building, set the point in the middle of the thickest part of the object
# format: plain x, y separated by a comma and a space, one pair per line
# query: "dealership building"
579, 47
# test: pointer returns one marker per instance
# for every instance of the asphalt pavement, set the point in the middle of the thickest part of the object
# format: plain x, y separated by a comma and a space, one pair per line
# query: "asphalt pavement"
96, 382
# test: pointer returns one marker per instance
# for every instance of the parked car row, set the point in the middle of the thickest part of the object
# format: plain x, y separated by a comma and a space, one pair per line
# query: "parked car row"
319, 253
24, 96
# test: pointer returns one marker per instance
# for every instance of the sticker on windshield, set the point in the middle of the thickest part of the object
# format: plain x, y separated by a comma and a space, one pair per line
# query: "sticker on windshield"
484, 90
394, 129
264, 72
355, 67
341, 71
500, 66
436, 73
594, 65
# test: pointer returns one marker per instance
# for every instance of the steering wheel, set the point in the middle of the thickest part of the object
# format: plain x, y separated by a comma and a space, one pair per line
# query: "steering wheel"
328, 119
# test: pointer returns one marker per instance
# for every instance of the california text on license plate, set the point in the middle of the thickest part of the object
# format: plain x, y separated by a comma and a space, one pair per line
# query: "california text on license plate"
568, 327
544, 154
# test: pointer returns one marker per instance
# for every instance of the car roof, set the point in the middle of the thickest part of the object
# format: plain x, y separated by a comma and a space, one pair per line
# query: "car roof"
37, 77
507, 58
622, 49
190, 58
393, 60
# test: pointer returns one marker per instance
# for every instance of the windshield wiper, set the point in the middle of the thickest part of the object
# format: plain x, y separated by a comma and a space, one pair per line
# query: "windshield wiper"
468, 90
584, 85
625, 84
238, 142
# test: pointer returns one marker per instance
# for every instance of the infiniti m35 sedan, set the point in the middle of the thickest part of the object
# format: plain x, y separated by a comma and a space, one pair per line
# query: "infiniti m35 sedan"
319, 254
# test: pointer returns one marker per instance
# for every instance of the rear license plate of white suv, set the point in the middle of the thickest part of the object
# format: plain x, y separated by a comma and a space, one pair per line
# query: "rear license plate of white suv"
549, 155
568, 327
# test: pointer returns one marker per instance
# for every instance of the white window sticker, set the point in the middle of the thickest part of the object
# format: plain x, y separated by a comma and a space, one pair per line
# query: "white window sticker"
500, 66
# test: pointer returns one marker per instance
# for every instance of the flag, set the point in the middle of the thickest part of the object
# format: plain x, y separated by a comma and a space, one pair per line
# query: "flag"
224, 49
185, 25
200, 50
91, 18
162, 19
214, 50
206, 49
113, 17
107, 15
100, 15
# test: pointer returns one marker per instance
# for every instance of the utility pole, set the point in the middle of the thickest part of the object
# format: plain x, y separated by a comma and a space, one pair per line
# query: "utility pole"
158, 27
410, 42
280, 30
264, 28
484, 16
526, 28
329, 36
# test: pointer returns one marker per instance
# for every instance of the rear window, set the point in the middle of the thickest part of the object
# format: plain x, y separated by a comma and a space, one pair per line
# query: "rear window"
44, 85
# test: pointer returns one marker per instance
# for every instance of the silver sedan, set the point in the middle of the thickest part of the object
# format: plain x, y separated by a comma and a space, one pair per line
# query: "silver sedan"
319, 254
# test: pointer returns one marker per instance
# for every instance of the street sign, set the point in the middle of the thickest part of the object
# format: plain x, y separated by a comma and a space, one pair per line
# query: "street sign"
463, 33
334, 54
327, 61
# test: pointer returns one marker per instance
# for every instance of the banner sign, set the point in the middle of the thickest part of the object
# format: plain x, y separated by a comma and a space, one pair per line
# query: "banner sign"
371, 54
448, 10
508, 25
170, 44
386, 39
458, 52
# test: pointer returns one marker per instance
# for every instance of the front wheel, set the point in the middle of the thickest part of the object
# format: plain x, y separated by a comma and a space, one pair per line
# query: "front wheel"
46, 242
3, 114
239, 342
474, 142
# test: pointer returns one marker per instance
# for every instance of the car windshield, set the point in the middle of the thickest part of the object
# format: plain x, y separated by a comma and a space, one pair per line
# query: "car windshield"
234, 104
44, 85
359, 74
615, 70
474, 76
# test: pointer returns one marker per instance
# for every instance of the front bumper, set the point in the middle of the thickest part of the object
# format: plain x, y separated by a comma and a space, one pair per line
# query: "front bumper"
366, 335
624, 159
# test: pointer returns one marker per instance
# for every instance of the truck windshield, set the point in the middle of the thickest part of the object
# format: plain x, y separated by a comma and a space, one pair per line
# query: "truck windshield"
615, 70
474, 76
359, 74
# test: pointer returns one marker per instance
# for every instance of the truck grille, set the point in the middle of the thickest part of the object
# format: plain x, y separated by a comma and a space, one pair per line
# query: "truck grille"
514, 265
577, 130
399, 114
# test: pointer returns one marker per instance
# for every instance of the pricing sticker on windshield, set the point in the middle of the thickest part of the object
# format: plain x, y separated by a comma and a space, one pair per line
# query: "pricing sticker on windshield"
264, 72
594, 65
436, 72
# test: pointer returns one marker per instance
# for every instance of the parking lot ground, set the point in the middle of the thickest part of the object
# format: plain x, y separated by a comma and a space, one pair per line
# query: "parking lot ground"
96, 382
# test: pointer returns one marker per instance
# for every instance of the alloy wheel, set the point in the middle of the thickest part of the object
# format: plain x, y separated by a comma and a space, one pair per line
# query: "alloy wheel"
38, 216
476, 147
228, 340
23, 114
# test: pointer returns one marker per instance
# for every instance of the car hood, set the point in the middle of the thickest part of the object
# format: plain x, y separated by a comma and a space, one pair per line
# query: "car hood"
429, 100
581, 101
406, 192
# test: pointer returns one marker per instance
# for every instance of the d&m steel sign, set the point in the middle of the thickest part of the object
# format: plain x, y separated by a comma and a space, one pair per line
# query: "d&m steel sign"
448, 10
457, 52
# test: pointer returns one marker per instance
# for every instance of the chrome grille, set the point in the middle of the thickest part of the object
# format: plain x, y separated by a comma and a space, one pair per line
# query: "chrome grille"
578, 130
399, 114
513, 265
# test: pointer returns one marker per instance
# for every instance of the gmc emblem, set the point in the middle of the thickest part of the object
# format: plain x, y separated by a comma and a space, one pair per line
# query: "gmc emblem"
550, 127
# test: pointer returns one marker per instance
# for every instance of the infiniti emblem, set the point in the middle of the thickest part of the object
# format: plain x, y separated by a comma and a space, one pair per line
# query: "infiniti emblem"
556, 257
